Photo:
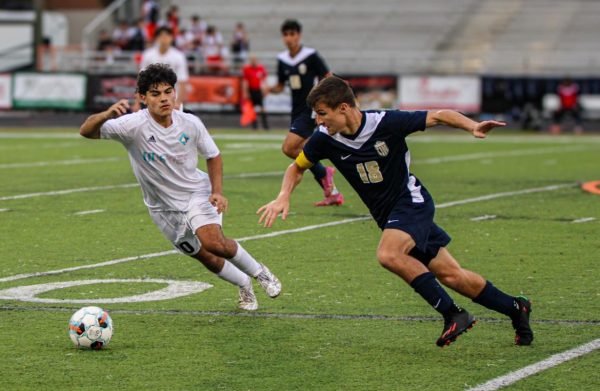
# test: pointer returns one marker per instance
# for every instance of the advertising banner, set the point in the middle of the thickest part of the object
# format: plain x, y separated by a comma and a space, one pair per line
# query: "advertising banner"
278, 103
104, 90
213, 93
461, 93
374, 92
5, 92
49, 90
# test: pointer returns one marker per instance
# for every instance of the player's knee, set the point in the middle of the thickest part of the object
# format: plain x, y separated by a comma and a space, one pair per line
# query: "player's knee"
290, 151
218, 247
388, 259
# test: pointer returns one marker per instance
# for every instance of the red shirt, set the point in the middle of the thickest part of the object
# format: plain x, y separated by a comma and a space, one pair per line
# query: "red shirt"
568, 95
254, 75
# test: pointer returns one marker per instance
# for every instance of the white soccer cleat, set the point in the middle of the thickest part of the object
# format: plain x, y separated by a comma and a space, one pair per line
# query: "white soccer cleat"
269, 282
248, 300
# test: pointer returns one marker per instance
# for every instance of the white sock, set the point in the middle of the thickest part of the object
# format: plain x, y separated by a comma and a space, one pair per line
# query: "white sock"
232, 274
245, 262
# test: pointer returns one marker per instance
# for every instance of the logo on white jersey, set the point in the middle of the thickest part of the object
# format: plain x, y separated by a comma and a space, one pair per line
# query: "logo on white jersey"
184, 138
382, 148
151, 139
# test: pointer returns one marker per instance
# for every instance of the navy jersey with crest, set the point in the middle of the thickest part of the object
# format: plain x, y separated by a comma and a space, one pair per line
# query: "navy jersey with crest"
301, 72
375, 160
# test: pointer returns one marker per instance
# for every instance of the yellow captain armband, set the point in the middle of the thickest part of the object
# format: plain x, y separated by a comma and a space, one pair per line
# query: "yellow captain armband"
303, 162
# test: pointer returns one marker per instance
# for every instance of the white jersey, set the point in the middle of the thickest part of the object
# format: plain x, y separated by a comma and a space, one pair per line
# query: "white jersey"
173, 57
165, 160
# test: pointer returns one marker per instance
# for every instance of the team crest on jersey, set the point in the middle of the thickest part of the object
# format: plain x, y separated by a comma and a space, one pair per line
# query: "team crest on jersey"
382, 148
302, 69
184, 138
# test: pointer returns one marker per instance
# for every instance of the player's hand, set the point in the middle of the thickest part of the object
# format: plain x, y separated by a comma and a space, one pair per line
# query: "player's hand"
482, 128
269, 212
118, 109
219, 202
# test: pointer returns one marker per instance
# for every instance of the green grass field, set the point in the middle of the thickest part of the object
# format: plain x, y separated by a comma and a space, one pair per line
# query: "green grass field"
342, 321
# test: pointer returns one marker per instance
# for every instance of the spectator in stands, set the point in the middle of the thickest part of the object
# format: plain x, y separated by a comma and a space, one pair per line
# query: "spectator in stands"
185, 41
239, 45
568, 94
198, 28
173, 19
163, 52
213, 50
254, 77
137, 36
120, 36
150, 13
104, 41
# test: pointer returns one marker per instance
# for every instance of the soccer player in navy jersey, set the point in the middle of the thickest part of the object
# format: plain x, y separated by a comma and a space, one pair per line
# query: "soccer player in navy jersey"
369, 149
301, 67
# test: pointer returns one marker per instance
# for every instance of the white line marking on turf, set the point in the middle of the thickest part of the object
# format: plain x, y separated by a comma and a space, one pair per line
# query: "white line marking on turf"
60, 162
584, 220
4, 210
540, 366
484, 217
271, 234
89, 212
124, 186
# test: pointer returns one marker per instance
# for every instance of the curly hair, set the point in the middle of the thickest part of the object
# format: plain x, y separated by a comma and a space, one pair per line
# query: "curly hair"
153, 75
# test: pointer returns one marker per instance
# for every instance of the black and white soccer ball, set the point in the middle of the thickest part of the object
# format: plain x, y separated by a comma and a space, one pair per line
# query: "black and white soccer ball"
91, 327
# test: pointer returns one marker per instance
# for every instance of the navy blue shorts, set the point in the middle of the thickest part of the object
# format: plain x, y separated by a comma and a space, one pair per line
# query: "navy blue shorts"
417, 221
303, 124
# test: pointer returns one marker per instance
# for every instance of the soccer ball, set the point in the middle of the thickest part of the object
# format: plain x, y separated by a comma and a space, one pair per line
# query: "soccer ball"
90, 327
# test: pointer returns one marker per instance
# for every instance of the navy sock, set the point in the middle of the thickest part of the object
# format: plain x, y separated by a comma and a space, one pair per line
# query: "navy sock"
319, 172
494, 299
427, 286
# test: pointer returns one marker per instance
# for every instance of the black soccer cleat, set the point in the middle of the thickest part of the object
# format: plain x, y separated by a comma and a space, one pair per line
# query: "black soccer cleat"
454, 325
520, 322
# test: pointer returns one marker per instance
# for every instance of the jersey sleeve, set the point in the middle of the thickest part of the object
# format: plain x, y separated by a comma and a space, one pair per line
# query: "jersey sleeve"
120, 129
407, 122
314, 150
321, 67
182, 69
205, 144
281, 79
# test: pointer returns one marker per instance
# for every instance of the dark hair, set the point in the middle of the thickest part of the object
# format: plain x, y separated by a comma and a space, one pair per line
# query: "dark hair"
291, 25
331, 91
153, 75
162, 29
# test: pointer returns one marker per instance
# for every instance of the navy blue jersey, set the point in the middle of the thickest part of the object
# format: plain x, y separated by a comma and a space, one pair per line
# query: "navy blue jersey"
375, 160
301, 72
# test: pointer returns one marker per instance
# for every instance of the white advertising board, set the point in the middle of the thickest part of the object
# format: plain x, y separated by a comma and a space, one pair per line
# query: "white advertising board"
461, 93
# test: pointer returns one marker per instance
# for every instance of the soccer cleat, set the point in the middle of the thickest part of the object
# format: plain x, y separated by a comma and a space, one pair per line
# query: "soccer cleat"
454, 325
269, 282
327, 181
520, 322
332, 200
248, 300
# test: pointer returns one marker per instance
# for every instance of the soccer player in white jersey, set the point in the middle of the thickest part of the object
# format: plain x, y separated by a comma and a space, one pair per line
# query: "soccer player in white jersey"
185, 203
164, 52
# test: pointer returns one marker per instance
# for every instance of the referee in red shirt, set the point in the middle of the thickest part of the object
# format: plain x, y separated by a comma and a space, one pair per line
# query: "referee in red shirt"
254, 75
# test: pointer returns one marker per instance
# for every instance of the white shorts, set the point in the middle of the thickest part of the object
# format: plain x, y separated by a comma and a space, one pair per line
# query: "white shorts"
180, 227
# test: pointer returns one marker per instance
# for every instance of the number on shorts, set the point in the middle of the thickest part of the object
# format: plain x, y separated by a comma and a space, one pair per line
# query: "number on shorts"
186, 247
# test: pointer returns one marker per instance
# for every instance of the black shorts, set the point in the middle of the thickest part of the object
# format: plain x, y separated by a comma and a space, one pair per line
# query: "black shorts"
256, 97
303, 124
575, 113
417, 221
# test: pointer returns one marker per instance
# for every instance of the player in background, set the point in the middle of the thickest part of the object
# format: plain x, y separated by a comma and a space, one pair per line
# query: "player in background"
254, 76
370, 151
185, 203
568, 94
163, 52
301, 67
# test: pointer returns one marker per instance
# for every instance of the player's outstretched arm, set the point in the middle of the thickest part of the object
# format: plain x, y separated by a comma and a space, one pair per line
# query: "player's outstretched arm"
458, 120
91, 127
269, 212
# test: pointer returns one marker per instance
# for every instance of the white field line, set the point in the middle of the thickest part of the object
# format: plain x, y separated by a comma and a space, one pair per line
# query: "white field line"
42, 146
540, 366
269, 235
124, 186
4, 210
584, 220
60, 162
89, 212
484, 217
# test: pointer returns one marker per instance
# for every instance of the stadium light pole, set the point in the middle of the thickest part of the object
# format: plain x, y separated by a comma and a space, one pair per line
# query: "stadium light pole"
38, 7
